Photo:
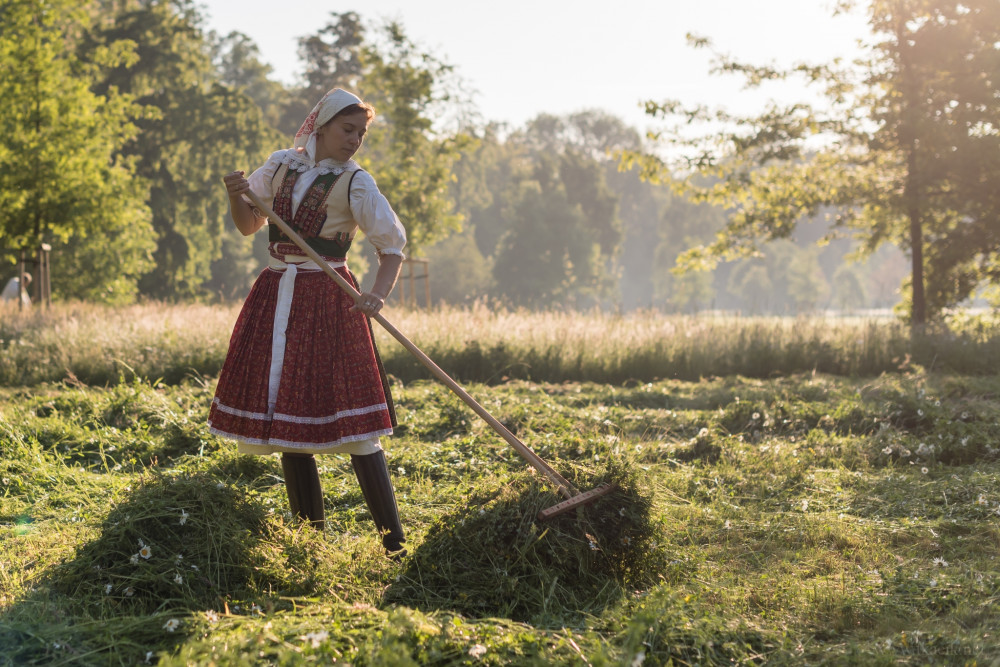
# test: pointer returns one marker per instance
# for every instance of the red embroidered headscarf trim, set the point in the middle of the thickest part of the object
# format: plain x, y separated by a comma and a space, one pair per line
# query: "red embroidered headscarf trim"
328, 107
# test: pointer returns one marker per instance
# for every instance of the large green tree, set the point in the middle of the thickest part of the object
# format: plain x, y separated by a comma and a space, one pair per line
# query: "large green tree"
201, 129
63, 180
905, 149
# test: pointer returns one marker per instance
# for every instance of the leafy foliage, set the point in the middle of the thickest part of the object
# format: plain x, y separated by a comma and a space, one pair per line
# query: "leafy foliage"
903, 150
63, 180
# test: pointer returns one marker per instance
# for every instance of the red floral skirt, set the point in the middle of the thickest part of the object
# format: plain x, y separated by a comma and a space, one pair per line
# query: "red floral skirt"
319, 385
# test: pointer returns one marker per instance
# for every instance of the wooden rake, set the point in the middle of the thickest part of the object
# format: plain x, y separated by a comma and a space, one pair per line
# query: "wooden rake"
573, 497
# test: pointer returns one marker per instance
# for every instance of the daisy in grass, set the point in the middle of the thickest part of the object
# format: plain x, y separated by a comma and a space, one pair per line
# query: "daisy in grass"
134, 559
145, 552
212, 616
477, 651
178, 579
316, 638
184, 518
171, 625
940, 562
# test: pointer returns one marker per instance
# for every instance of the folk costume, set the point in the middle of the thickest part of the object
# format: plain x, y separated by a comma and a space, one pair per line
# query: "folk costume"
302, 375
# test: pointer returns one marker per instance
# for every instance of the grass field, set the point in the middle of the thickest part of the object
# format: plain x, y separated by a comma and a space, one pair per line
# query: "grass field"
841, 512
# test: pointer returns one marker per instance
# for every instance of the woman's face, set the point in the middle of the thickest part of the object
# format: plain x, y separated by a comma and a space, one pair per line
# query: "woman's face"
341, 138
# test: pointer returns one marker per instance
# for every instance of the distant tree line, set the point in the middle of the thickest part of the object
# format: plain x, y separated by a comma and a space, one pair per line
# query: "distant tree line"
119, 118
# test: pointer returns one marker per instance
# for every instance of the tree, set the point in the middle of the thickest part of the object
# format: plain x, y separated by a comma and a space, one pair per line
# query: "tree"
62, 179
906, 150
201, 130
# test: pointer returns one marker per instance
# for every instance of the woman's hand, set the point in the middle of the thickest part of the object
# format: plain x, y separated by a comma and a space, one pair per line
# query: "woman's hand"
236, 185
370, 304
244, 215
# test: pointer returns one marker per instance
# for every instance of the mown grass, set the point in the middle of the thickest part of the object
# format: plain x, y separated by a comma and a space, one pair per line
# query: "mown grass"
804, 519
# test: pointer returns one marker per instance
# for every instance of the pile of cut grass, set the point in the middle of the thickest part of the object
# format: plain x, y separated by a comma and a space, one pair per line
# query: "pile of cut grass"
505, 563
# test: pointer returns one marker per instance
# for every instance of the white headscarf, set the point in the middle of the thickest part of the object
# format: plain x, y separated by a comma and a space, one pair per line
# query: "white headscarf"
328, 107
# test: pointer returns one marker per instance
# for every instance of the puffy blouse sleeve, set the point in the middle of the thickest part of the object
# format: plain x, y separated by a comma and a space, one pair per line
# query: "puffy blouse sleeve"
375, 216
260, 179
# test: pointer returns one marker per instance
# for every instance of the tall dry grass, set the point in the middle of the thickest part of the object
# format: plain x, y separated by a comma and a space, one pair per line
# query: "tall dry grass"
98, 344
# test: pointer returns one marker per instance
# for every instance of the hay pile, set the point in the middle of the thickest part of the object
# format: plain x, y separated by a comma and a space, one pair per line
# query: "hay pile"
492, 558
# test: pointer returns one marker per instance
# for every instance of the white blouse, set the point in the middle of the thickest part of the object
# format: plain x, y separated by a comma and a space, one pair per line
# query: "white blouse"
369, 206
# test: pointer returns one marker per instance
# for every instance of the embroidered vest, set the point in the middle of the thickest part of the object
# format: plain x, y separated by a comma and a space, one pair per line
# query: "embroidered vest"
323, 218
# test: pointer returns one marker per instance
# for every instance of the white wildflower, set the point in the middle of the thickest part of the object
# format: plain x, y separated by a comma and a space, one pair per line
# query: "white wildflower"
887, 451
728, 525
212, 616
703, 433
107, 588
129, 592
149, 656
639, 658
477, 651
982, 499
145, 552
932, 583
178, 579
940, 562
805, 505
316, 638
184, 518
171, 625
134, 559
756, 416
924, 470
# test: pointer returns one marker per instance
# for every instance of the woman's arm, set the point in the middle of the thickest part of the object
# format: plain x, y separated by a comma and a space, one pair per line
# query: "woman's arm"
385, 279
240, 210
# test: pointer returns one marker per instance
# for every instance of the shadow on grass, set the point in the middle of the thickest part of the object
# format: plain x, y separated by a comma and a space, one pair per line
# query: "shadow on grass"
177, 545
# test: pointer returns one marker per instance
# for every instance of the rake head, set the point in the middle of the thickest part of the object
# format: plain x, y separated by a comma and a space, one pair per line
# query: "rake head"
578, 500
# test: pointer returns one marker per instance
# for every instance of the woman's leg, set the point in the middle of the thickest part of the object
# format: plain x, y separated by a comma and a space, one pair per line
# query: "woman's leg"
373, 477
305, 495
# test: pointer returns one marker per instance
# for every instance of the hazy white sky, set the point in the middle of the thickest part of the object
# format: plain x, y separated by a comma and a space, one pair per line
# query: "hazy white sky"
526, 57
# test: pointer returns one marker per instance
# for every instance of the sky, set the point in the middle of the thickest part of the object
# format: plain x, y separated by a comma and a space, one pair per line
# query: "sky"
523, 57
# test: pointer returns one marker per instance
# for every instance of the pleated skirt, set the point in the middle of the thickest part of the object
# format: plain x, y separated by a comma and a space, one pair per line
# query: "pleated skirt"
302, 373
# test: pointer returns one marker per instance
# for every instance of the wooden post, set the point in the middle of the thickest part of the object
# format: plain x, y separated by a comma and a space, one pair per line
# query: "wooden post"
44, 289
20, 281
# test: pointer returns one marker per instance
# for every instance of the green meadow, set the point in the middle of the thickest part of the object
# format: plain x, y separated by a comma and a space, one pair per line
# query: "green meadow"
790, 491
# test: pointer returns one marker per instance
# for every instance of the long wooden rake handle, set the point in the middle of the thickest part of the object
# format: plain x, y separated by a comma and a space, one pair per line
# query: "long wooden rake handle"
558, 480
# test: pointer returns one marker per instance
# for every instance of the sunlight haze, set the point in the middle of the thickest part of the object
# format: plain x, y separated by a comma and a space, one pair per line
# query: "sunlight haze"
525, 58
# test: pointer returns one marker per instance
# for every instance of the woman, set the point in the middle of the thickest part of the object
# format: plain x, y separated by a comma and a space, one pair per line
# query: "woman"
302, 376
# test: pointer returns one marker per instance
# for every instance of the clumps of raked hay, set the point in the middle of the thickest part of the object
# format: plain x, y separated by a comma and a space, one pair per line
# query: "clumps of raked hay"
202, 541
492, 557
